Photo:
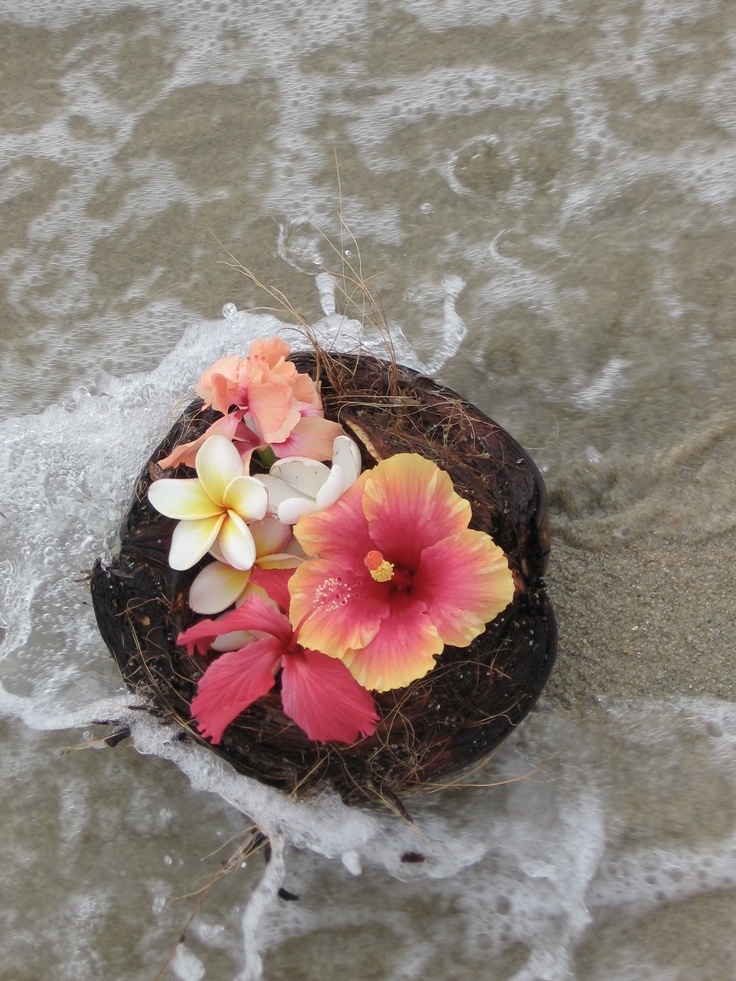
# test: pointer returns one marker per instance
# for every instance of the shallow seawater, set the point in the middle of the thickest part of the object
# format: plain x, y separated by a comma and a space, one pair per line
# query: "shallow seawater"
542, 195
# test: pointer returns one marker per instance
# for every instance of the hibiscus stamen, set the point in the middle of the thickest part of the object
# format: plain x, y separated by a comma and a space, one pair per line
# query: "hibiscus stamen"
380, 569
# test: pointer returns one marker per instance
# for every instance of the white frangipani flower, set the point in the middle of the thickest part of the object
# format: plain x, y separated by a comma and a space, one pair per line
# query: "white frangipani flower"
213, 508
297, 485
218, 585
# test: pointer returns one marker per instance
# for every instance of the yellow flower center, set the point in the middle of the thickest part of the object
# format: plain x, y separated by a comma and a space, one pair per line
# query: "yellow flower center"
380, 569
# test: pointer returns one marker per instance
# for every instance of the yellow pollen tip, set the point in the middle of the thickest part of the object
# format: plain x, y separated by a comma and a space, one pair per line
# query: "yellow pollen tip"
379, 568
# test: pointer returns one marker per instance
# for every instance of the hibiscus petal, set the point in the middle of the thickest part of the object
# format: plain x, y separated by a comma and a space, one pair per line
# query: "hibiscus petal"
216, 587
247, 497
312, 436
332, 611
258, 614
324, 700
182, 499
236, 542
218, 462
269, 349
191, 540
341, 532
274, 583
199, 636
225, 366
232, 683
230, 426
403, 650
270, 408
465, 582
409, 504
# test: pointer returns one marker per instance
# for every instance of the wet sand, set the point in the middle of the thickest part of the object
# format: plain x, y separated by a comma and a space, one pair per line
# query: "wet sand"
669, 633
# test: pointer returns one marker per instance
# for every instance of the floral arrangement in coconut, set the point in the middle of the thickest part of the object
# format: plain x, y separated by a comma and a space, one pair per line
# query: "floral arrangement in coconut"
322, 578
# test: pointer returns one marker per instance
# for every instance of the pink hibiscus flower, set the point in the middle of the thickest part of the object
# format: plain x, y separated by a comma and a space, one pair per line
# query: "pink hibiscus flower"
317, 692
264, 401
396, 574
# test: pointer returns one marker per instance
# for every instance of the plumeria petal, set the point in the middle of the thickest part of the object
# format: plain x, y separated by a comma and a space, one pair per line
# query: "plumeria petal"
216, 587
346, 454
324, 700
296, 507
333, 612
403, 649
182, 498
191, 540
234, 640
232, 683
247, 497
218, 463
236, 542
332, 489
303, 475
465, 582
270, 535
278, 491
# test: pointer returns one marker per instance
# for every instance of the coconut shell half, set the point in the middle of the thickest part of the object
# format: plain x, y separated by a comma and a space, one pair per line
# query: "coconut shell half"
438, 725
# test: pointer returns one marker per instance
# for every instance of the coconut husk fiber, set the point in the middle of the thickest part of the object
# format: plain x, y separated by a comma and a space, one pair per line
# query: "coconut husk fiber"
438, 725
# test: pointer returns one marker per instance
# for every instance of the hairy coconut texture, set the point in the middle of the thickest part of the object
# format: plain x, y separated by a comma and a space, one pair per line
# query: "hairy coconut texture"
441, 723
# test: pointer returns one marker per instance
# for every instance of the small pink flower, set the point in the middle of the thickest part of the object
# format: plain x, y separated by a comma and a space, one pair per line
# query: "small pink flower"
264, 401
396, 574
317, 692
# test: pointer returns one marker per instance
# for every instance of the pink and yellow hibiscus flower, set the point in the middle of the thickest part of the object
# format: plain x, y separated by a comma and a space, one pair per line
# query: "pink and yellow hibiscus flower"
317, 692
396, 574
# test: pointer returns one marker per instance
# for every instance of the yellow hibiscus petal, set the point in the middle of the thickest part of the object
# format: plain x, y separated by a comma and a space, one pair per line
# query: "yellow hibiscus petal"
410, 503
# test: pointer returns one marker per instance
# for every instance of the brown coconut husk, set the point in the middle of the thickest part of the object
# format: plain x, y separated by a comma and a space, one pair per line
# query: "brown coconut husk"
438, 725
